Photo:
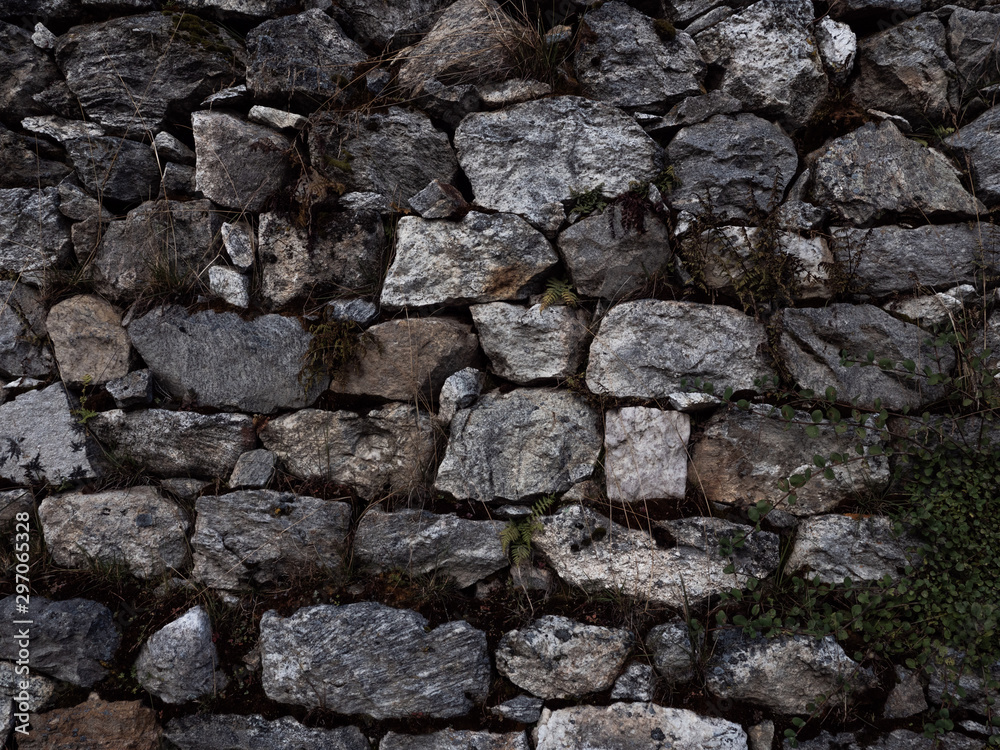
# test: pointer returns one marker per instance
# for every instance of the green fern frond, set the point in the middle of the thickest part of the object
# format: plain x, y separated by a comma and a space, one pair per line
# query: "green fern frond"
559, 292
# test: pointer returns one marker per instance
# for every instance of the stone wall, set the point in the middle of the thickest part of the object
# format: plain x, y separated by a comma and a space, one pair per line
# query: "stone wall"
356, 360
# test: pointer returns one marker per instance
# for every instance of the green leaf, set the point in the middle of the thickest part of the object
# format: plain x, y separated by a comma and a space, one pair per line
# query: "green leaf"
812, 431
817, 416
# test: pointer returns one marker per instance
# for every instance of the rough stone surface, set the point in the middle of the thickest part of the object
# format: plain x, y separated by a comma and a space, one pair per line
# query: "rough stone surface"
42, 439
253, 469
263, 537
556, 657
395, 153
459, 391
94, 724
606, 259
838, 46
439, 200
300, 57
837, 547
907, 696
972, 42
813, 339
784, 673
420, 542
88, 339
631, 726
770, 59
137, 527
179, 662
529, 158
409, 359
648, 347
240, 164
674, 651
483, 258
25, 71
695, 109
875, 172
134, 389
34, 236
901, 739
128, 73
342, 252
23, 351
276, 118
371, 659
357, 310
115, 169
515, 445
884, 260
254, 732
627, 63
949, 672
731, 166
645, 453
456, 739
587, 550
449, 54
222, 361
979, 144
636, 683
238, 239
392, 23
741, 457
159, 239
530, 344
905, 70
176, 443
28, 162
523, 709
387, 450
229, 285
69, 639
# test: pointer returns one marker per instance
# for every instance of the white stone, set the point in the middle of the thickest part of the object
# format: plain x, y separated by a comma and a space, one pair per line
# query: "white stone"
276, 118
239, 243
61, 130
230, 285
646, 453
838, 45
931, 310
43, 38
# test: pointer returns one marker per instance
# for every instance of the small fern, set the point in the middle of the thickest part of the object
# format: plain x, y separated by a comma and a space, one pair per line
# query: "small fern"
516, 535
588, 202
559, 292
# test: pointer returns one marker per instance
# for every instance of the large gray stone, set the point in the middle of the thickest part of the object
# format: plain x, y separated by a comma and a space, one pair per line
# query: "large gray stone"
972, 42
455, 739
159, 243
905, 70
89, 342
606, 259
115, 169
675, 651
813, 339
71, 640
635, 726
529, 158
29, 162
371, 659
260, 537
900, 739
645, 453
623, 61
648, 348
408, 359
176, 443
785, 673
136, 527
449, 54
42, 440
239, 164
129, 74
179, 662
588, 550
23, 351
875, 172
34, 236
979, 146
392, 23
222, 361
385, 451
881, 261
254, 732
731, 167
519, 444
25, 72
483, 258
395, 153
526, 344
838, 547
741, 456
420, 542
304, 57
769, 59
556, 657
341, 252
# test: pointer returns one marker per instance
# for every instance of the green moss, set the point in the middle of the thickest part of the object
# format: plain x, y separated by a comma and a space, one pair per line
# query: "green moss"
664, 29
